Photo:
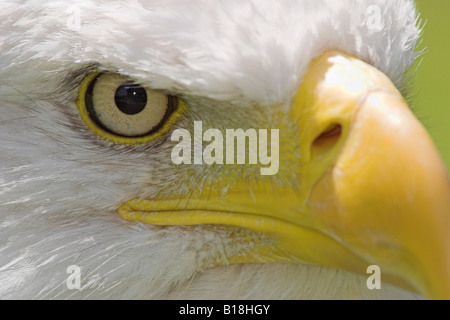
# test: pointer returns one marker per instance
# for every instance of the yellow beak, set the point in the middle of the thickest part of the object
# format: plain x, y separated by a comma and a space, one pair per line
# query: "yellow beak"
372, 188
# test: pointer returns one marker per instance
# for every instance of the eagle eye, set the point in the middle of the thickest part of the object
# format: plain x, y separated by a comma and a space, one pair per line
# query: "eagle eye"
123, 111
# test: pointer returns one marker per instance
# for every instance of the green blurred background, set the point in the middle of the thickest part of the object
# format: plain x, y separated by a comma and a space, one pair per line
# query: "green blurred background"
432, 87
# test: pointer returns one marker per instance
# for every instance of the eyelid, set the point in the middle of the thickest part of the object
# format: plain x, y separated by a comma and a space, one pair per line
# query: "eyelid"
177, 113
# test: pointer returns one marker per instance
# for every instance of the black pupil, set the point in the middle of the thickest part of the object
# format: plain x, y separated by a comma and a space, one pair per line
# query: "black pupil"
130, 98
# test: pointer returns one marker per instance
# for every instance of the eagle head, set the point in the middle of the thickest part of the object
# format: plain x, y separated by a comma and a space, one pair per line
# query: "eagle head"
216, 149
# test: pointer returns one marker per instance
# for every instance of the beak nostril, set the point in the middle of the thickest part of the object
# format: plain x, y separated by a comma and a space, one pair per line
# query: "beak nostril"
333, 130
326, 140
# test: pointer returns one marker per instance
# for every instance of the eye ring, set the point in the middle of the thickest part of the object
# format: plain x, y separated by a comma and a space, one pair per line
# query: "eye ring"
176, 108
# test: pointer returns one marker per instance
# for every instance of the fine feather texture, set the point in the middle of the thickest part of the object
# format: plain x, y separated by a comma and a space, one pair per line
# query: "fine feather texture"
60, 185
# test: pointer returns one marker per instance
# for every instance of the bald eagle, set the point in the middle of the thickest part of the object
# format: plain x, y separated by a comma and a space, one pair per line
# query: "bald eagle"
98, 97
